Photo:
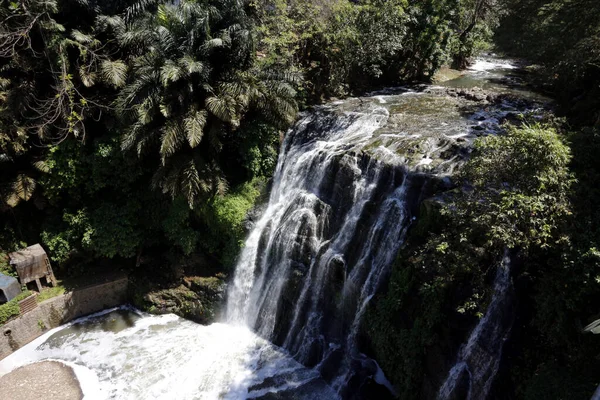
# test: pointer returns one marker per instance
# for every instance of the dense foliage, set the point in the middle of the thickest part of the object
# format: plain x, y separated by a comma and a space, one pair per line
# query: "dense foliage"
514, 195
532, 190
143, 132
564, 37
148, 126
345, 46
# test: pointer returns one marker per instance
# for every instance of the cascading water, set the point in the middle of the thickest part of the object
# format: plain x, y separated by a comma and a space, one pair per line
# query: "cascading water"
127, 355
334, 223
349, 179
478, 360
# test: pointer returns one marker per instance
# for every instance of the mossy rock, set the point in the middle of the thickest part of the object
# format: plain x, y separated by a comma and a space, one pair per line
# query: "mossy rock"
197, 298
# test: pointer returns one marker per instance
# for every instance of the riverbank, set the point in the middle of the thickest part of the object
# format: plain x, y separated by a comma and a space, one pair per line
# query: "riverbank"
59, 310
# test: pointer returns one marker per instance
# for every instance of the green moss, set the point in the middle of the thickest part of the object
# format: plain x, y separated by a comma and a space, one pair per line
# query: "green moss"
196, 298
402, 326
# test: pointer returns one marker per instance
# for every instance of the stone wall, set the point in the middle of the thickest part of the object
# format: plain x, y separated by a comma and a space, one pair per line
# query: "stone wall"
59, 310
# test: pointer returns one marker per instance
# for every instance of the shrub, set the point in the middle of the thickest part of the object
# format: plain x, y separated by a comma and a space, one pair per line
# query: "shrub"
11, 308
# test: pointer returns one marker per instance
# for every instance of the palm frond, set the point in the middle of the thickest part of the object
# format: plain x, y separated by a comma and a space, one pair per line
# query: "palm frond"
171, 72
138, 8
145, 111
189, 64
165, 40
171, 139
221, 107
194, 127
190, 183
82, 37
116, 23
88, 78
114, 72
130, 137
23, 187
41, 166
213, 44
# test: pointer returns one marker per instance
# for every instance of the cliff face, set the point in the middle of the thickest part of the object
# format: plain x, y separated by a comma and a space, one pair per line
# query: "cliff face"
348, 187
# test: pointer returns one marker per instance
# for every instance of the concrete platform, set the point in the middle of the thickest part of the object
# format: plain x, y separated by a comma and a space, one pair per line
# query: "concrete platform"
48, 380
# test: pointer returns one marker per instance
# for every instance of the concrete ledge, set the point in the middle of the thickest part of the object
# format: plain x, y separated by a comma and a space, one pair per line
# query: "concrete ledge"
60, 310
48, 380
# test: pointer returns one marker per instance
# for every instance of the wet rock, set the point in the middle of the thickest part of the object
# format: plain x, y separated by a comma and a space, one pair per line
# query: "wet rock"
197, 298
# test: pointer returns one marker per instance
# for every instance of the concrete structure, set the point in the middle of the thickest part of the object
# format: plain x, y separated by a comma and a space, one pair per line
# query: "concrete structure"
59, 310
9, 288
48, 380
31, 264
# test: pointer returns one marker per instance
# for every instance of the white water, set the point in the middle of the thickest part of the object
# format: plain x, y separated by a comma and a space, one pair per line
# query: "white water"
318, 255
481, 65
166, 357
333, 225
297, 179
479, 359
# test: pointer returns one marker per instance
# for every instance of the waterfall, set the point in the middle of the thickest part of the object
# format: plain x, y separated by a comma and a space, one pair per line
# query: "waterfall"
334, 223
478, 360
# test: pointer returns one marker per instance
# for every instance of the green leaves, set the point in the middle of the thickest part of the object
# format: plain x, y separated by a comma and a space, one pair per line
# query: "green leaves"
88, 78
22, 189
192, 66
194, 127
114, 72
171, 72
521, 187
82, 37
222, 107
171, 139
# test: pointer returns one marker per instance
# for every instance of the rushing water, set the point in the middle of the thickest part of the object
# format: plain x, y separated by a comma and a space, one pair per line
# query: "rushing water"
349, 180
479, 358
334, 223
125, 354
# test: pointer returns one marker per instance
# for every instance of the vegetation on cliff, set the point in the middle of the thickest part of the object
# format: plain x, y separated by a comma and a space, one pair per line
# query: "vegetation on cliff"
513, 193
143, 132
147, 127
533, 190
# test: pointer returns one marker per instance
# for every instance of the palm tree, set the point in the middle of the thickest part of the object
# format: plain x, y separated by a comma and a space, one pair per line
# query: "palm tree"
192, 82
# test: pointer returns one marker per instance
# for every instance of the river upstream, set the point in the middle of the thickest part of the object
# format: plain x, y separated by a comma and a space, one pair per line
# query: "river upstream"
350, 178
